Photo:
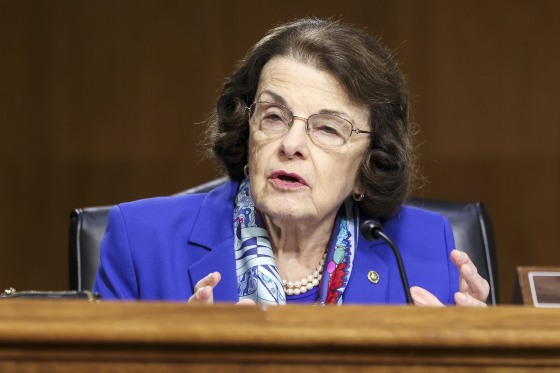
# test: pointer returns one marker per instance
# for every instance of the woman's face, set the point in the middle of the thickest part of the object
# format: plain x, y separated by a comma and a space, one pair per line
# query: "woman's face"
293, 180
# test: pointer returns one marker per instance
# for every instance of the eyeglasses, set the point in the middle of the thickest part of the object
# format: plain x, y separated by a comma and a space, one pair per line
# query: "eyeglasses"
326, 130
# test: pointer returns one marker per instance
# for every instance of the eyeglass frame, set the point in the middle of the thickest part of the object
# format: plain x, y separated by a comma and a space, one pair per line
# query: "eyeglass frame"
306, 120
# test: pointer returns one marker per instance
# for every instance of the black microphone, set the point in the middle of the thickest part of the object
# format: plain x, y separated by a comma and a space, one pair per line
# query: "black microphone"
372, 230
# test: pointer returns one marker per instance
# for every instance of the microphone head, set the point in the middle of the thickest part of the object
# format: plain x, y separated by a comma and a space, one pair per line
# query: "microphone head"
370, 229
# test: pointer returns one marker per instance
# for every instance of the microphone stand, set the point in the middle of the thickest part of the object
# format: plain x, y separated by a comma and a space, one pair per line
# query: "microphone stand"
372, 230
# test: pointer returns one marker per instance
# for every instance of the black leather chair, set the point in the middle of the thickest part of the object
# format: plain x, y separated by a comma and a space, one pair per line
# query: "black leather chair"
471, 226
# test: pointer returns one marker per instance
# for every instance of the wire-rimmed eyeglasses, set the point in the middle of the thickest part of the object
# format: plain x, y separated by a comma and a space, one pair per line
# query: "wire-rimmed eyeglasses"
326, 130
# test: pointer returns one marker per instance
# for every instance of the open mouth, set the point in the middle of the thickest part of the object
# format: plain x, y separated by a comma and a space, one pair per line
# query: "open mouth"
285, 179
288, 178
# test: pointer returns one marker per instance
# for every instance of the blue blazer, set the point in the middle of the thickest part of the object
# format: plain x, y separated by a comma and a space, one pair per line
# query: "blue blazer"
159, 248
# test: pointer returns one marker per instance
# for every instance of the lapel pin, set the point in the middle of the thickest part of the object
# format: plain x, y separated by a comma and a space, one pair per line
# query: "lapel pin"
373, 277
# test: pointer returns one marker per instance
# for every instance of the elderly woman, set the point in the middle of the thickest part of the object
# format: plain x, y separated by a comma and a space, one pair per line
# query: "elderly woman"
312, 130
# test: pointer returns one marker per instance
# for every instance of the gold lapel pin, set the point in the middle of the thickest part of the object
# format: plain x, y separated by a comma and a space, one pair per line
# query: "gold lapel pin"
373, 277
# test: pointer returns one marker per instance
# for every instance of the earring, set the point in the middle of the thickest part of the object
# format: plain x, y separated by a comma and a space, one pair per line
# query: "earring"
358, 197
246, 170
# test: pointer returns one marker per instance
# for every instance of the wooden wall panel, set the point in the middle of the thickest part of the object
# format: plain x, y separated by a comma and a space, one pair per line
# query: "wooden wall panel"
104, 101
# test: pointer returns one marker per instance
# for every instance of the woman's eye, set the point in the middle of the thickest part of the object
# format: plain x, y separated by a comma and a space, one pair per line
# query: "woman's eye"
272, 117
328, 130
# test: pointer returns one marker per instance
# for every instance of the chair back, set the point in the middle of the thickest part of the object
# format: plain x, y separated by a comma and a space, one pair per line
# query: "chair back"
470, 223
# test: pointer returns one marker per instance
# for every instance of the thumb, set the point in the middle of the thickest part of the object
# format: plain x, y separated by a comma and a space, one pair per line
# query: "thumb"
423, 297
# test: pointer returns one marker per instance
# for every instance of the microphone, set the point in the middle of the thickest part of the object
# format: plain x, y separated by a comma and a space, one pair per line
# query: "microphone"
372, 230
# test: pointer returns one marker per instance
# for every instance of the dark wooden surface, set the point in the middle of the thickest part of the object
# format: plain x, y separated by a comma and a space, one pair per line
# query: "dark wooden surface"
67, 335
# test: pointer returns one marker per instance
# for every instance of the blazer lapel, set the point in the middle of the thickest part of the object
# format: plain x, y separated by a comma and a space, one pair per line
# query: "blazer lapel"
213, 231
377, 256
360, 288
220, 259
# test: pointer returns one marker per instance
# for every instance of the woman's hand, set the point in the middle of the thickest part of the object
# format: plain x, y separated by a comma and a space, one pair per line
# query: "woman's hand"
204, 290
473, 289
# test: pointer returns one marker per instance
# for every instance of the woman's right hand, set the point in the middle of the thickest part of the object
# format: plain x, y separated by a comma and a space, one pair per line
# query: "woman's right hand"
204, 290
473, 289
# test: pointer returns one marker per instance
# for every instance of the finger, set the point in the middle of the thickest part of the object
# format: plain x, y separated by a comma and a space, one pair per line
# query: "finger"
204, 295
211, 280
476, 286
204, 289
423, 297
464, 300
460, 257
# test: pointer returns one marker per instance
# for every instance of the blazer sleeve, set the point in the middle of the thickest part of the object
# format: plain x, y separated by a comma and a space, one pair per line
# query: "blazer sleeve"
116, 276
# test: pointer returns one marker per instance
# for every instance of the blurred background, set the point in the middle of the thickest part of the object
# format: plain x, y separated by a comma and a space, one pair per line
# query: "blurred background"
105, 101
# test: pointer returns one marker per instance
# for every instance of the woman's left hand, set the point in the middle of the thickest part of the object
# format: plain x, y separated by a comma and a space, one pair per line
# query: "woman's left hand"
473, 289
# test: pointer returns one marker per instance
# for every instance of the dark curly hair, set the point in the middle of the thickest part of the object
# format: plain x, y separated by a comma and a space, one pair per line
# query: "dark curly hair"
369, 75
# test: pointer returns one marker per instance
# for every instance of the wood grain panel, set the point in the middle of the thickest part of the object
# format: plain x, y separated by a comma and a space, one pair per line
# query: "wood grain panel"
176, 337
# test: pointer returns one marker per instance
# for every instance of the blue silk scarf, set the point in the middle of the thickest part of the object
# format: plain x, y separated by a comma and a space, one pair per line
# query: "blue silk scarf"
257, 275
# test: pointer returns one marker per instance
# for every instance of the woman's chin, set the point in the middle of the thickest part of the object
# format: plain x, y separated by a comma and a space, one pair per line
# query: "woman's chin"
286, 208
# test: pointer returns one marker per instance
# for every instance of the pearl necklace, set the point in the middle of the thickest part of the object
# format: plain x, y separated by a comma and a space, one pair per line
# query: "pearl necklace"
306, 283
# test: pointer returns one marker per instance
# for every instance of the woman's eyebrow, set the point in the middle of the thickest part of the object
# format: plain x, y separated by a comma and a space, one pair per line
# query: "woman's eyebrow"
334, 112
275, 96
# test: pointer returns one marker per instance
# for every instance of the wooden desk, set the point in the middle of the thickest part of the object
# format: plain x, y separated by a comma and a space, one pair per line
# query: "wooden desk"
75, 336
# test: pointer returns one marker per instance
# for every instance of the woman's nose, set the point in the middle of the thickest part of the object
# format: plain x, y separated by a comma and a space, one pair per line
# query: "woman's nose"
294, 143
